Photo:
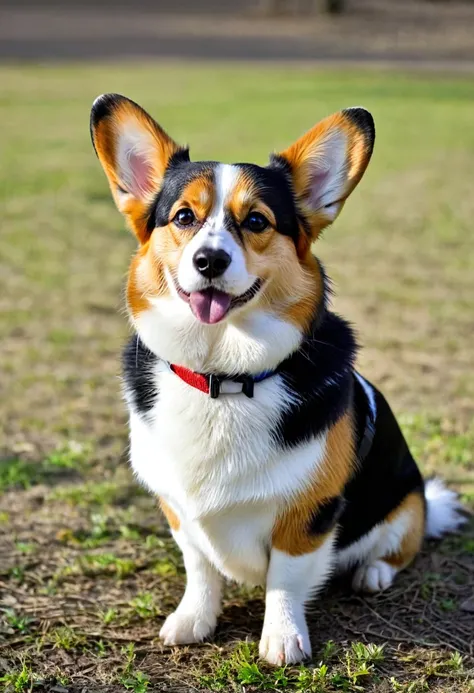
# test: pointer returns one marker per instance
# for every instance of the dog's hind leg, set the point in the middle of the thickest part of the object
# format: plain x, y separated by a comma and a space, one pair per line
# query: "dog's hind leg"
400, 539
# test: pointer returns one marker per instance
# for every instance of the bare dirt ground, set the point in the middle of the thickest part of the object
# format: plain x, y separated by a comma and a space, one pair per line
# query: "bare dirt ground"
87, 568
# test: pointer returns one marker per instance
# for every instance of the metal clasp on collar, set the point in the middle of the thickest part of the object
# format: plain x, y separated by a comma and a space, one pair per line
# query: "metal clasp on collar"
215, 387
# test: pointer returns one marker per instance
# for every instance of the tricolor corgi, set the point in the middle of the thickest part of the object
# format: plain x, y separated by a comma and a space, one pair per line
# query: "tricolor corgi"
275, 462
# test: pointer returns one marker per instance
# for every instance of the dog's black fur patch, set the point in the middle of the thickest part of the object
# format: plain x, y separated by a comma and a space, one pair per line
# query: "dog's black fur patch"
139, 380
319, 374
383, 479
326, 516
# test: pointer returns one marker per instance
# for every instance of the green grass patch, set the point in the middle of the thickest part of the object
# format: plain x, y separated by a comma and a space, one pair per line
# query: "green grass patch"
106, 564
102, 493
19, 680
144, 605
20, 474
435, 441
350, 671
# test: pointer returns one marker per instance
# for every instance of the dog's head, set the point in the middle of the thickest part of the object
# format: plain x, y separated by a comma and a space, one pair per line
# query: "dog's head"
225, 250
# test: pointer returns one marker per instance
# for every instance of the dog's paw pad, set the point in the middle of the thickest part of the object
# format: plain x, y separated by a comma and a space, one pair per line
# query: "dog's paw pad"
185, 629
281, 649
375, 577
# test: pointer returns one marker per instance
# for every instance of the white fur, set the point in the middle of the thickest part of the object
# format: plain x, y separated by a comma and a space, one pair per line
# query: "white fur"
374, 574
443, 509
291, 581
196, 616
136, 150
382, 540
225, 481
347, 558
247, 343
236, 280
328, 173
373, 577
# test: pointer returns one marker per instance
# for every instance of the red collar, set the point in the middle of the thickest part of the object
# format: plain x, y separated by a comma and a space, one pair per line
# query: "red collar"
211, 384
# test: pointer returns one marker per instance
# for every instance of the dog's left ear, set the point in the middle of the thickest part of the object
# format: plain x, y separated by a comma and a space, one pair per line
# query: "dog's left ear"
134, 152
327, 163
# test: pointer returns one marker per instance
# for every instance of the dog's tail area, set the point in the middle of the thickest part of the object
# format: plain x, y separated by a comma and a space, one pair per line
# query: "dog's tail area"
443, 509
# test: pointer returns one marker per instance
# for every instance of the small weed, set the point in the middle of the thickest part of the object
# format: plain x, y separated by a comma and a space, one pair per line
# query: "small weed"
17, 680
106, 563
165, 568
61, 678
108, 616
144, 606
99, 526
24, 547
455, 662
447, 604
152, 542
66, 638
329, 650
4, 518
129, 652
368, 654
92, 494
17, 474
17, 573
137, 682
312, 679
129, 533
417, 686
71, 456
101, 648
355, 673
18, 623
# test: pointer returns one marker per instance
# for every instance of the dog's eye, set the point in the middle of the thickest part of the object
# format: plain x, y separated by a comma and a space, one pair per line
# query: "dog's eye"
255, 222
184, 217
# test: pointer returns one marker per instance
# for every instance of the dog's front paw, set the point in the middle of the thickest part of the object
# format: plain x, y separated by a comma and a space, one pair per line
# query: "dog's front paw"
284, 648
184, 629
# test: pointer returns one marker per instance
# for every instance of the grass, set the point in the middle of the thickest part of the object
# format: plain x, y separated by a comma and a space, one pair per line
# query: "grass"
87, 565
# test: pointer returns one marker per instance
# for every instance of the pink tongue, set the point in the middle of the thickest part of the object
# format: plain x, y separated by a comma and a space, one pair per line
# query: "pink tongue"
209, 306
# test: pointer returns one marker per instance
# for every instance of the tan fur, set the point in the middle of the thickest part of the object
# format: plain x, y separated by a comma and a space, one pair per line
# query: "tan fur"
173, 519
310, 147
162, 147
413, 539
290, 533
198, 196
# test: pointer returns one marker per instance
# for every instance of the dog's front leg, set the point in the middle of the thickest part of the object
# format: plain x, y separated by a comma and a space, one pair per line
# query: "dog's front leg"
291, 581
195, 618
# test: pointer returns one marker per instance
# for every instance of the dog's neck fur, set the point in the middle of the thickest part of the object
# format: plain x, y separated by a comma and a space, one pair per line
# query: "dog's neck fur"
246, 344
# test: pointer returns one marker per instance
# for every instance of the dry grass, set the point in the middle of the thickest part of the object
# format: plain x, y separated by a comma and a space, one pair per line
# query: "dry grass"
87, 568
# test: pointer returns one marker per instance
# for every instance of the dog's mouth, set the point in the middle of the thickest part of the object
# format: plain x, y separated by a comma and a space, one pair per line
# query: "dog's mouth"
211, 305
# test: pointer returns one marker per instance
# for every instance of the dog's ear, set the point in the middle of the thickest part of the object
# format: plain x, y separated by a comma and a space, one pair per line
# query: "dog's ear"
134, 152
327, 162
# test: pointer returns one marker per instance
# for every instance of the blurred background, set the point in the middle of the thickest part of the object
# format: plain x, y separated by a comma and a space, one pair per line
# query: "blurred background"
234, 80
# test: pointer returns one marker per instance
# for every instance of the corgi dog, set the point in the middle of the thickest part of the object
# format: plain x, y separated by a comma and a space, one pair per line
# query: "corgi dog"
275, 462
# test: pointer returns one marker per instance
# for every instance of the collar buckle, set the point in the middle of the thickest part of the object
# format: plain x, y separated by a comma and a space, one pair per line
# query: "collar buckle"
215, 386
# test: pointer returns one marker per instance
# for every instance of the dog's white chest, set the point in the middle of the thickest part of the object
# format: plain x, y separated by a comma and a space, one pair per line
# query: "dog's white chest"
219, 466
207, 454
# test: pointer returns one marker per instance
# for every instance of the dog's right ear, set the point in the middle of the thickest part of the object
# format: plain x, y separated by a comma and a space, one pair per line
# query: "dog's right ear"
134, 152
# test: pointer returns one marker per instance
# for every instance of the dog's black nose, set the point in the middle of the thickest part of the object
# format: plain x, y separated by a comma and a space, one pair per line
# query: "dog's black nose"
211, 262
